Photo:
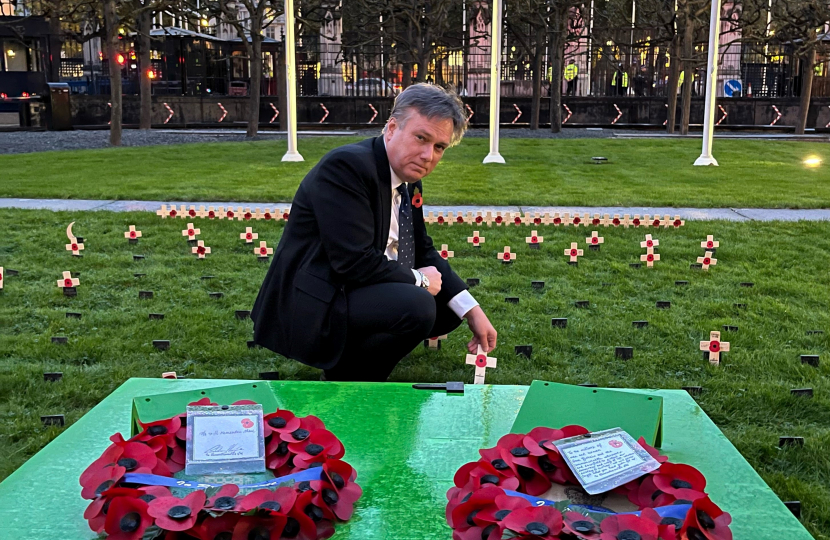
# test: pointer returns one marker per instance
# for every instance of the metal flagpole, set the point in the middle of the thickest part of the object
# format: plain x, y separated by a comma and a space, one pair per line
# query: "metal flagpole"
291, 84
495, 83
706, 157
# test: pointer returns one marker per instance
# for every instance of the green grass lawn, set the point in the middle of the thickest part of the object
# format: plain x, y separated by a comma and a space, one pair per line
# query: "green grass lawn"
538, 172
748, 395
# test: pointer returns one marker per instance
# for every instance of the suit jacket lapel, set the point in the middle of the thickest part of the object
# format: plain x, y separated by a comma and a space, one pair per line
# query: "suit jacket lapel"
385, 189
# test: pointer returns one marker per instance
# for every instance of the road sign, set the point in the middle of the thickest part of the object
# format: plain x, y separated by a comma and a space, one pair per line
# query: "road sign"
732, 88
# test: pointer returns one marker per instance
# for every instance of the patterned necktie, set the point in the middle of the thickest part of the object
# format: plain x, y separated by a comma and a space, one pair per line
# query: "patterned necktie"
406, 231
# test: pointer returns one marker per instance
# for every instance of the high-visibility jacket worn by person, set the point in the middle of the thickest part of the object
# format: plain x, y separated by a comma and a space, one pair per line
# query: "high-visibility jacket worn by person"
571, 71
624, 79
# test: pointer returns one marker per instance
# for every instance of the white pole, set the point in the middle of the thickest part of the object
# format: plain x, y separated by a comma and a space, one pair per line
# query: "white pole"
706, 157
495, 83
291, 84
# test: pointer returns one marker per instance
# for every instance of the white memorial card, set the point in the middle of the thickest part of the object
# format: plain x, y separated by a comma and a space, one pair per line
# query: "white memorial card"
225, 439
605, 460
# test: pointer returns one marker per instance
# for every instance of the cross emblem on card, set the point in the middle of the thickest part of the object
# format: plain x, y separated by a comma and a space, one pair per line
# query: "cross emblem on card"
475, 239
68, 281
132, 234
706, 261
481, 361
710, 243
534, 238
434, 343
714, 347
263, 250
200, 250
649, 242
445, 253
649, 257
249, 235
574, 252
595, 239
506, 256
191, 232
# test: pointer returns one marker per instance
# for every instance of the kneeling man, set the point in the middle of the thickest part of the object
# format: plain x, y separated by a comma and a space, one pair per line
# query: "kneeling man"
356, 282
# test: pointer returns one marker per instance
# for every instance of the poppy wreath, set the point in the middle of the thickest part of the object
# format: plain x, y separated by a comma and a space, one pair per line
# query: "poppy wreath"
304, 511
481, 506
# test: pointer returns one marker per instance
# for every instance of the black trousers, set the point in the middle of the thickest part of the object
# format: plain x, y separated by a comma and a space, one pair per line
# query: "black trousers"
386, 321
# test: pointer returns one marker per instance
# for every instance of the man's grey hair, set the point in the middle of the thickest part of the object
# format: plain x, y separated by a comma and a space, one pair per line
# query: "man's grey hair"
433, 102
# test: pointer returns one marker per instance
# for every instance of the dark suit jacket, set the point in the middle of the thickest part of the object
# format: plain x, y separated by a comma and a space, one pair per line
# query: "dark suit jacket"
335, 241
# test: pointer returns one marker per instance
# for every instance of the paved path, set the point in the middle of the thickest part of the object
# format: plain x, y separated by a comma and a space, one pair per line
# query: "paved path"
731, 214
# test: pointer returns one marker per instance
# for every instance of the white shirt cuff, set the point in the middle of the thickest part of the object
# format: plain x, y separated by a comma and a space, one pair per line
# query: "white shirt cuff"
417, 277
462, 303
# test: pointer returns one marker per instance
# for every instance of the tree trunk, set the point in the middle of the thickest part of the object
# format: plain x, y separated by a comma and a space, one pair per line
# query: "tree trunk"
807, 73
256, 79
282, 87
537, 78
689, 74
145, 69
111, 27
674, 78
557, 53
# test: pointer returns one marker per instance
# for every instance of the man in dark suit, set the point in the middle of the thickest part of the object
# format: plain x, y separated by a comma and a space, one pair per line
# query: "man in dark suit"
356, 283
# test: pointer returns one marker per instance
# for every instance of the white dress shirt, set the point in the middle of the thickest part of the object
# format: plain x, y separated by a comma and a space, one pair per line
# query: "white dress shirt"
462, 302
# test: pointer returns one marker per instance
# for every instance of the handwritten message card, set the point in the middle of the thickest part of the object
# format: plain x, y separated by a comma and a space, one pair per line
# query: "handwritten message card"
606, 459
226, 439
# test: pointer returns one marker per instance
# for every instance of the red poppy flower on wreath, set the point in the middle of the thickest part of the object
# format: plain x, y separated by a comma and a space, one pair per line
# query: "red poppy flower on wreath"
175, 514
581, 526
628, 527
535, 522
220, 526
667, 527
463, 515
225, 499
417, 199
127, 519
278, 501
166, 429
320, 445
259, 527
705, 521
307, 425
99, 482
96, 512
678, 480
479, 474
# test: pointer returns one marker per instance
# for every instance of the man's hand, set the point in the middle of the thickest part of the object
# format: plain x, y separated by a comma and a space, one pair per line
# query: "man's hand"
483, 332
434, 277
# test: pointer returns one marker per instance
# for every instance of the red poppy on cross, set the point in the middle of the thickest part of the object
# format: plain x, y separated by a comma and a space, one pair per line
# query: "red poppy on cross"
68, 281
596, 221
74, 247
506, 256
459, 218
285, 214
192, 212
200, 250
1, 277
191, 232
595, 239
440, 219
560, 220
677, 222
710, 243
616, 221
656, 221
263, 250
435, 342
517, 219
500, 219
714, 347
211, 213
636, 221
534, 238
576, 221
706, 261
249, 235
649, 257
649, 242
479, 219
132, 234
475, 239
248, 215
574, 252
445, 254
481, 361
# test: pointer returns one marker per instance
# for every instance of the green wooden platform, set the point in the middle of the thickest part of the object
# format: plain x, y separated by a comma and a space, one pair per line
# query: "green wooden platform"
406, 445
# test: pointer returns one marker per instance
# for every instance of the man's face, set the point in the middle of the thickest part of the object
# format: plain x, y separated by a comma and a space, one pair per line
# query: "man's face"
416, 147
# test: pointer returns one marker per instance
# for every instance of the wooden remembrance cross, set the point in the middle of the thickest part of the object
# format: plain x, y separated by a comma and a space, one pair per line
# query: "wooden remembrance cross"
714, 346
481, 361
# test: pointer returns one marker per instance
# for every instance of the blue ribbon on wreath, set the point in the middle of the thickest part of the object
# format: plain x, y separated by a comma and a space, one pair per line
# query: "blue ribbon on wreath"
154, 480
